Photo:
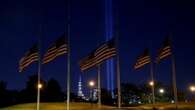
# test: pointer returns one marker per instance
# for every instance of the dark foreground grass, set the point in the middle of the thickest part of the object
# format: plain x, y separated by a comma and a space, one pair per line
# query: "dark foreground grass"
55, 106
87, 106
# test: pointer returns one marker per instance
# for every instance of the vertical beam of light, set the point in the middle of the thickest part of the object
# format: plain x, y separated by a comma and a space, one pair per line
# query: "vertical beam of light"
109, 34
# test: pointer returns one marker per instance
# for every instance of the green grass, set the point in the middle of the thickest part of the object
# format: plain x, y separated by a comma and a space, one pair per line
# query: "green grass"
168, 106
87, 106
55, 106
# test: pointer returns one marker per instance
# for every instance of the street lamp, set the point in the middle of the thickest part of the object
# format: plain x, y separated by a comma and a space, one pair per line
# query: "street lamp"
40, 86
161, 91
151, 83
192, 88
91, 85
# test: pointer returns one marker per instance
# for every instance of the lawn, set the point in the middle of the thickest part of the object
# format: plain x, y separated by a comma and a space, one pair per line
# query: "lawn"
87, 106
55, 106
168, 106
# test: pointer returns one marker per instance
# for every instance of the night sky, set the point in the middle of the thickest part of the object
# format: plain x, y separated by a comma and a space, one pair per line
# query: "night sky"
141, 24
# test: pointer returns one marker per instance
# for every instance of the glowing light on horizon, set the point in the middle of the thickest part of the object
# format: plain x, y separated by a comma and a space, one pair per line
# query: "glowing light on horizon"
151, 83
192, 88
40, 86
162, 91
91, 83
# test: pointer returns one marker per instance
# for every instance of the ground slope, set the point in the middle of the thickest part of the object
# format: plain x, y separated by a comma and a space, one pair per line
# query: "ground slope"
87, 106
55, 106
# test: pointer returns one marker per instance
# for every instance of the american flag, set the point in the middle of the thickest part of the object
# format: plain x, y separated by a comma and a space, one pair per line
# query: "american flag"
165, 51
143, 59
31, 56
57, 49
99, 55
87, 62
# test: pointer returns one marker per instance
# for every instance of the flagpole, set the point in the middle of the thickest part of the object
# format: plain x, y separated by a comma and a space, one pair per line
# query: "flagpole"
118, 60
99, 85
174, 81
68, 70
118, 73
68, 60
68, 78
39, 72
118, 82
152, 86
38, 88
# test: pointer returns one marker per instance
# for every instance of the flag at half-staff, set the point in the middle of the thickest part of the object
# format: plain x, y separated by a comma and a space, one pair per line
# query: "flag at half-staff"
99, 55
164, 51
95, 58
105, 51
59, 48
143, 59
31, 56
87, 62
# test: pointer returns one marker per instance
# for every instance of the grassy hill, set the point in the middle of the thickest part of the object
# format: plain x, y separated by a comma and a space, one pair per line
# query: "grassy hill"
87, 106
54, 106
168, 106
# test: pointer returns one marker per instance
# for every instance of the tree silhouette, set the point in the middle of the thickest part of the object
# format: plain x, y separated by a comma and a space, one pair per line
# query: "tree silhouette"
130, 93
29, 94
53, 91
106, 97
5, 98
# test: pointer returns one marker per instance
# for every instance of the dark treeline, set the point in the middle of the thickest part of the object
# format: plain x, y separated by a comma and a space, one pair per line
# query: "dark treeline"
142, 94
51, 92
133, 95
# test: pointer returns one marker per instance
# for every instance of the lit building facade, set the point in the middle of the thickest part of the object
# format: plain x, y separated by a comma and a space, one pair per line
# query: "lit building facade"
80, 92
